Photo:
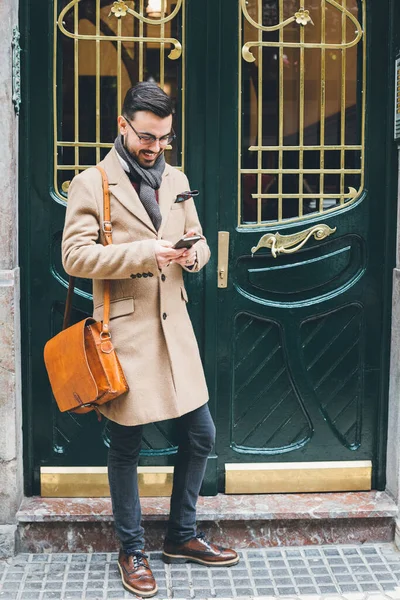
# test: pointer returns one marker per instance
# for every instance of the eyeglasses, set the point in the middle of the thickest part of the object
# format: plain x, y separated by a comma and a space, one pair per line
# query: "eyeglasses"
147, 138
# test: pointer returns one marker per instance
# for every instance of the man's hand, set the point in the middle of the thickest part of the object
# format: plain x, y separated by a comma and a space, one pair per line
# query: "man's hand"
192, 232
165, 253
189, 256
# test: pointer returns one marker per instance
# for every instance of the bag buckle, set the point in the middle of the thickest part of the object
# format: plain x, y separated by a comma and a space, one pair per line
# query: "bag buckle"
107, 227
106, 348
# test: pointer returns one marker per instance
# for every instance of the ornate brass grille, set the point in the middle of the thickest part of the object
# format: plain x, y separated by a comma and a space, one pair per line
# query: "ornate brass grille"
302, 84
101, 48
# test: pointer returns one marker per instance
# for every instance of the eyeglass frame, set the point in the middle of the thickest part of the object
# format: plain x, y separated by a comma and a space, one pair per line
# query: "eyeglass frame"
153, 138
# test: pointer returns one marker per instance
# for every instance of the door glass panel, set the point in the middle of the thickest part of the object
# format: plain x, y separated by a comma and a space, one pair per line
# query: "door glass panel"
301, 108
101, 49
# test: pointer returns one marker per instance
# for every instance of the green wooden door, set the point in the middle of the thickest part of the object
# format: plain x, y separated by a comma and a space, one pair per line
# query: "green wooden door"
303, 336
80, 57
295, 347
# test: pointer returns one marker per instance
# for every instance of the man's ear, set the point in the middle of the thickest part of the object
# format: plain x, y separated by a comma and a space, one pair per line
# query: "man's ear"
122, 125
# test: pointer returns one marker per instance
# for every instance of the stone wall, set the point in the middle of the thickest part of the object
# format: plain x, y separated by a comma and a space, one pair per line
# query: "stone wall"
11, 478
393, 447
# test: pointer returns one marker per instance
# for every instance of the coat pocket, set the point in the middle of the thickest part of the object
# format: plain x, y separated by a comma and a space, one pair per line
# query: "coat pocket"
118, 308
177, 206
184, 294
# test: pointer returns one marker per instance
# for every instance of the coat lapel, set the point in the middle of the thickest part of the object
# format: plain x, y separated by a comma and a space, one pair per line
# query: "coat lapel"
123, 190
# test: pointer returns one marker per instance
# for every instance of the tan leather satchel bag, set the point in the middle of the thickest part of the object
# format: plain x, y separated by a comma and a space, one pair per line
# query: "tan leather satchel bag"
82, 365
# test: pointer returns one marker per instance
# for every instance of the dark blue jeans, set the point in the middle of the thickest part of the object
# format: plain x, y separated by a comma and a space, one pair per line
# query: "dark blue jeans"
195, 438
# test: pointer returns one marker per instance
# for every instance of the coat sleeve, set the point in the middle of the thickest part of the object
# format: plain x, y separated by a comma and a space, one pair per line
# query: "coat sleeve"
192, 222
83, 255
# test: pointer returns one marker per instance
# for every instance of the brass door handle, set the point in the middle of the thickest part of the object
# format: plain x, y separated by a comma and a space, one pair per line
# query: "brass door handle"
289, 244
223, 258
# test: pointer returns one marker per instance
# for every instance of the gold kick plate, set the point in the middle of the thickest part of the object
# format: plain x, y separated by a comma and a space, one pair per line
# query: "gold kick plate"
302, 477
223, 258
289, 244
92, 482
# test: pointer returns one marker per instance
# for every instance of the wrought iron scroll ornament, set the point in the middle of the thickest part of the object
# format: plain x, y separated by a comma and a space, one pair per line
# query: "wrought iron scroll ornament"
289, 244
120, 9
302, 17
265, 167
126, 62
16, 70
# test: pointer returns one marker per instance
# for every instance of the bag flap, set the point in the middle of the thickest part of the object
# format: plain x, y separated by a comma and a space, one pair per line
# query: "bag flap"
66, 362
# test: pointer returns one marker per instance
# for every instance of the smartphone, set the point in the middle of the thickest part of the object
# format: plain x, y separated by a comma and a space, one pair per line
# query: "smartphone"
187, 242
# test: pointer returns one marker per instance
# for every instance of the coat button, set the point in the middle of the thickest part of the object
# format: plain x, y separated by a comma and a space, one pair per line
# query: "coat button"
164, 316
139, 275
150, 274
145, 275
163, 278
133, 276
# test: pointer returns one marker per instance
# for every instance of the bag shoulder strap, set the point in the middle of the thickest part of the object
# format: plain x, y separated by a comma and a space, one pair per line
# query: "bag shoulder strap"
107, 229
68, 303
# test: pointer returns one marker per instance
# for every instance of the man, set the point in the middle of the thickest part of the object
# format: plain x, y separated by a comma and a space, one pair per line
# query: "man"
150, 326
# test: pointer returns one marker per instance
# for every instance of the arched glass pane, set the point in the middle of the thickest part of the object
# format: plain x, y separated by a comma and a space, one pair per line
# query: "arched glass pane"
302, 90
101, 48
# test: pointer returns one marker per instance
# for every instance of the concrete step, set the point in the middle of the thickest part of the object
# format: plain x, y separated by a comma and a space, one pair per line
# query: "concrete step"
241, 521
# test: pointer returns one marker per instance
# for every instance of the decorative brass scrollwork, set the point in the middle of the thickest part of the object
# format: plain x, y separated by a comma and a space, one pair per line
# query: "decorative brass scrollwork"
119, 10
289, 244
273, 171
117, 46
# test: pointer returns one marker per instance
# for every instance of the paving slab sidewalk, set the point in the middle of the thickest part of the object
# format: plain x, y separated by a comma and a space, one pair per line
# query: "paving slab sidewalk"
352, 572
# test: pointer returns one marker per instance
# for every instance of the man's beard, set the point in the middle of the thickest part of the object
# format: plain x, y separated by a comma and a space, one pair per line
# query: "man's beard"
141, 159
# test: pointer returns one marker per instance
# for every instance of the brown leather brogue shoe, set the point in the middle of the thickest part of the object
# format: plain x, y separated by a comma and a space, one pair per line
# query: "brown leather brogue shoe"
201, 551
136, 574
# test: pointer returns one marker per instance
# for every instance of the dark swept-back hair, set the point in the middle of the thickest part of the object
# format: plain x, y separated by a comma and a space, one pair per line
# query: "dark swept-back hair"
147, 96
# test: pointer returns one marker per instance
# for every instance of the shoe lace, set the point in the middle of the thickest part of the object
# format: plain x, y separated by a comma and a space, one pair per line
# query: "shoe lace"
138, 558
202, 536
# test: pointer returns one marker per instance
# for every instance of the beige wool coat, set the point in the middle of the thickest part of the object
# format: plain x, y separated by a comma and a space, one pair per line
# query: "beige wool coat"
149, 323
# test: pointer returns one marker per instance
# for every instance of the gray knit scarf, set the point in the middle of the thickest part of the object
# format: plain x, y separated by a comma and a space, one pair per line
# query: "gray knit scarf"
149, 179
